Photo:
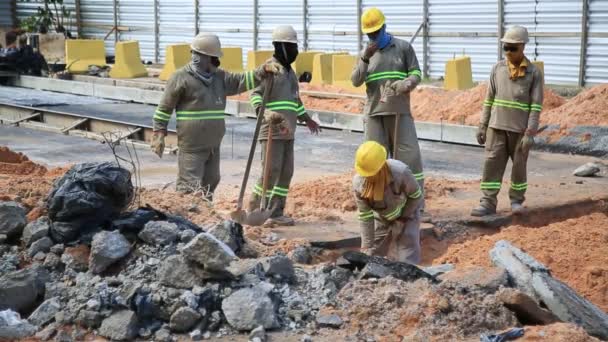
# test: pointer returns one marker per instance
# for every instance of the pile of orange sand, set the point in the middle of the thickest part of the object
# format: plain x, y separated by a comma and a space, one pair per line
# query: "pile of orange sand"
575, 250
589, 108
18, 164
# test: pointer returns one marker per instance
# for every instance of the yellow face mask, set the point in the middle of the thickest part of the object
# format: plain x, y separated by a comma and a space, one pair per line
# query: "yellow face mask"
373, 187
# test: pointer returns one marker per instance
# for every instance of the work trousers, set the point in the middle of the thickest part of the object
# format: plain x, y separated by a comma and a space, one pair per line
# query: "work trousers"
398, 240
199, 171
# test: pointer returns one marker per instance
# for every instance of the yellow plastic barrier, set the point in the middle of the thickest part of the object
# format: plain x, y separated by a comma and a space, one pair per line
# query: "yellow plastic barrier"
322, 67
540, 65
304, 62
232, 59
128, 61
176, 56
342, 68
256, 58
458, 74
80, 53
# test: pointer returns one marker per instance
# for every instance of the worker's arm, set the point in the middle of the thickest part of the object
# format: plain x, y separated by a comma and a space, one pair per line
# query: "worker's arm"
171, 97
237, 83
255, 99
489, 101
536, 104
366, 222
359, 73
303, 117
413, 192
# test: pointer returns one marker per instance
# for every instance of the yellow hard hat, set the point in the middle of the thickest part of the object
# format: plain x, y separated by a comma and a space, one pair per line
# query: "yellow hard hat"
372, 20
370, 158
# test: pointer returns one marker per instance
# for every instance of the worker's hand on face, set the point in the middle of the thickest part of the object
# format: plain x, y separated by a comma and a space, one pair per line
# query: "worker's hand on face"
369, 51
158, 143
481, 134
313, 126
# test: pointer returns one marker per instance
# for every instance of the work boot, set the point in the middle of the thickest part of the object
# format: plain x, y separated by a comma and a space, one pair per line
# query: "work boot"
482, 211
282, 221
517, 208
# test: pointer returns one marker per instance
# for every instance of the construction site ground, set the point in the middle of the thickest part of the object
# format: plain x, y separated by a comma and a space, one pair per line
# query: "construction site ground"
567, 227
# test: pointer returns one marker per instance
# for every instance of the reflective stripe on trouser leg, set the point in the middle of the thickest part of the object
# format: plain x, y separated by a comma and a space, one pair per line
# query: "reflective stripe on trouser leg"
275, 172
497, 155
191, 169
519, 183
281, 187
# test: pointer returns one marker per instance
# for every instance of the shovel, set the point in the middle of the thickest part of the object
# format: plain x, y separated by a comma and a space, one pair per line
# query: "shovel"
259, 216
239, 215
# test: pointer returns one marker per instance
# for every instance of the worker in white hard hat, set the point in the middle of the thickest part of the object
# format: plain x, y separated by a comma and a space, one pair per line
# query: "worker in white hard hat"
197, 92
284, 109
509, 122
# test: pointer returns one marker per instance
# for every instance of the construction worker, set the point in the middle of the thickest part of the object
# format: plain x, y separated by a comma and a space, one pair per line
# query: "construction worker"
284, 109
509, 122
388, 198
389, 68
198, 93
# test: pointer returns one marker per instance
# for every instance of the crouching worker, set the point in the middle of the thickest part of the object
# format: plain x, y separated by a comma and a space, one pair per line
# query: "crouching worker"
197, 92
388, 198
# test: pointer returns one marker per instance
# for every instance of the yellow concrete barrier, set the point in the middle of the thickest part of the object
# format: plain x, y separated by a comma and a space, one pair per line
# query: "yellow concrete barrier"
458, 74
128, 61
322, 67
176, 56
540, 65
304, 62
80, 53
342, 68
256, 58
232, 59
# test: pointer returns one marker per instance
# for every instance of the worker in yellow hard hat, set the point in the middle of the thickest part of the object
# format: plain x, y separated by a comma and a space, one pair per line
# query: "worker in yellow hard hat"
388, 198
389, 69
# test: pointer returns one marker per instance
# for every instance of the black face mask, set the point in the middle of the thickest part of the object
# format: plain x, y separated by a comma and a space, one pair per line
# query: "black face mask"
285, 53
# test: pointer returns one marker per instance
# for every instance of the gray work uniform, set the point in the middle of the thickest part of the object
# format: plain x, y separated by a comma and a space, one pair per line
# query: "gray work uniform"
391, 227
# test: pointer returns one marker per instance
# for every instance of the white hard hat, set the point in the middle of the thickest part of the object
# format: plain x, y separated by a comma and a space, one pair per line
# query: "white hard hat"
207, 44
284, 34
516, 35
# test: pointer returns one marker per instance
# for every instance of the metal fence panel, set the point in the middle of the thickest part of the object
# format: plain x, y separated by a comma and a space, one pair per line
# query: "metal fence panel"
471, 17
597, 47
273, 13
332, 25
6, 13
233, 30
177, 25
138, 17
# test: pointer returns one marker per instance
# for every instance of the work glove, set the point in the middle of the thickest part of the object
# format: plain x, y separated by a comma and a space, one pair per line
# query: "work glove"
481, 134
268, 69
158, 143
276, 120
527, 142
396, 88
369, 51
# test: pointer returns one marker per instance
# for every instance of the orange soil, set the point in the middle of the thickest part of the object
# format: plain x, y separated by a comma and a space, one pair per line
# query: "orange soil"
589, 108
575, 250
18, 164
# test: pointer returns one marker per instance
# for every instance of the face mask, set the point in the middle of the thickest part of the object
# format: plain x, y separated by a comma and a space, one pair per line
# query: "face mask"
383, 38
201, 63
286, 53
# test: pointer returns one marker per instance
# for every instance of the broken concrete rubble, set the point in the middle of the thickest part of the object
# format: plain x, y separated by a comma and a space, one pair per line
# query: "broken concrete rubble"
159, 233
12, 219
176, 272
331, 321
378, 267
46, 312
35, 230
534, 279
106, 249
43, 245
184, 319
12, 327
278, 266
488, 278
587, 170
208, 251
121, 326
525, 308
230, 233
249, 308
21, 290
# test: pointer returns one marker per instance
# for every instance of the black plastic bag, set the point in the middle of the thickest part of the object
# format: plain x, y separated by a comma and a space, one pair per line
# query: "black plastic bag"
88, 197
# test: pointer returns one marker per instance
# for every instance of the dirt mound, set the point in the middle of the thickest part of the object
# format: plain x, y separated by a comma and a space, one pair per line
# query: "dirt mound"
191, 206
589, 108
392, 310
16, 163
575, 251
557, 332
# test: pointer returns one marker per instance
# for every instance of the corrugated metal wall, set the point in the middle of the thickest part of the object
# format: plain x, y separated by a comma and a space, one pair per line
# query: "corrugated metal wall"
6, 13
597, 47
29, 8
475, 16
273, 13
138, 16
97, 20
238, 30
332, 25
177, 25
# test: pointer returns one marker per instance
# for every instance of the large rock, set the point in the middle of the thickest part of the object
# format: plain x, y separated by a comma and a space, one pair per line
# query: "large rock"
45, 312
43, 245
35, 230
587, 170
207, 250
121, 326
184, 319
488, 278
248, 308
279, 266
13, 328
525, 308
534, 279
12, 219
176, 272
331, 321
230, 233
159, 233
106, 249
21, 290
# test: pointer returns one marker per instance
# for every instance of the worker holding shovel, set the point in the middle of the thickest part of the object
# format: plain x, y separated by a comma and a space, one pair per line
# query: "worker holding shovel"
388, 198
197, 92
284, 109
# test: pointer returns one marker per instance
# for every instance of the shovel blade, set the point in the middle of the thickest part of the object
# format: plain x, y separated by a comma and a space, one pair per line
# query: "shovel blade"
239, 216
257, 217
